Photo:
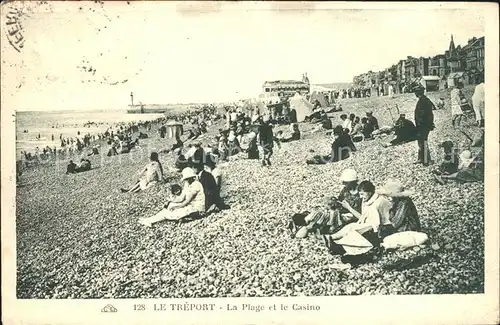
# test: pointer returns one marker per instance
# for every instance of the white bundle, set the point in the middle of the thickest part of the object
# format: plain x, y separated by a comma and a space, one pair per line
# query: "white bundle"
404, 240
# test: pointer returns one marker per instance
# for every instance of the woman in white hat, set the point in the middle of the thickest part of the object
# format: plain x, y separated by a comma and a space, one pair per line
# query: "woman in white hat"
403, 213
360, 237
191, 201
332, 217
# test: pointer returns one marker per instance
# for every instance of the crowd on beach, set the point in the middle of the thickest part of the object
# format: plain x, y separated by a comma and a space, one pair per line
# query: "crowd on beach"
362, 92
359, 224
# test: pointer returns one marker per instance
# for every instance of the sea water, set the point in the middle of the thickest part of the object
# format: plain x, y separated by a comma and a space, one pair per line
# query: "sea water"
67, 124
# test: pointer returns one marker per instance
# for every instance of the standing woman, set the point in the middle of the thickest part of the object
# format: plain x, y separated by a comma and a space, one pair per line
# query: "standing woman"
478, 102
456, 109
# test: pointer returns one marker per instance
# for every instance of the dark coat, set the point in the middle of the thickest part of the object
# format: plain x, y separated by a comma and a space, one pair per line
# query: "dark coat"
374, 122
405, 130
403, 215
341, 148
210, 188
424, 117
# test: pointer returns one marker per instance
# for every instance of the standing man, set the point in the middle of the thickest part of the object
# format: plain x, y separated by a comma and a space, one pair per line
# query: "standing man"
265, 138
424, 123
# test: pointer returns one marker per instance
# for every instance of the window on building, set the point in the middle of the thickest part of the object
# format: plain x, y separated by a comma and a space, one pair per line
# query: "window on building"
267, 90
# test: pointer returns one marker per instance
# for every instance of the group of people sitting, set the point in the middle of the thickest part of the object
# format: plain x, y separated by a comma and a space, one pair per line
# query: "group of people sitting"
121, 143
259, 137
360, 128
199, 195
464, 167
355, 223
73, 168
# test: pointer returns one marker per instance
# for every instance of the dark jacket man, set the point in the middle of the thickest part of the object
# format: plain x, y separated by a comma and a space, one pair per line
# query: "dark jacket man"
424, 123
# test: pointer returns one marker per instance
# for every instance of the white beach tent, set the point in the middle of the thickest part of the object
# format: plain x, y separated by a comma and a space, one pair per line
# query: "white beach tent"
318, 88
302, 107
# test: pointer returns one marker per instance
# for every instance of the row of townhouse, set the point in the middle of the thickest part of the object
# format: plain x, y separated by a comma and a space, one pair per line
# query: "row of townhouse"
439, 72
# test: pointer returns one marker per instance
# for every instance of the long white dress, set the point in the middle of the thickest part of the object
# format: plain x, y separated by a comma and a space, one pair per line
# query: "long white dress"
455, 102
478, 101
391, 91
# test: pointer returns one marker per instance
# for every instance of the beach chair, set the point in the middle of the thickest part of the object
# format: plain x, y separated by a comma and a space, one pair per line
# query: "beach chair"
469, 116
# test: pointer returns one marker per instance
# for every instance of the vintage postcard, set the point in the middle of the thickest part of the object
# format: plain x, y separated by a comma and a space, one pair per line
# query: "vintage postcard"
249, 162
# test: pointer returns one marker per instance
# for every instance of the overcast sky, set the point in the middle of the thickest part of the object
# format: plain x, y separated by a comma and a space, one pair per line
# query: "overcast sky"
172, 53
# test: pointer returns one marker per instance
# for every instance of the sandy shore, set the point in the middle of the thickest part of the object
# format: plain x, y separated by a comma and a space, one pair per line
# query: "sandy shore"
78, 237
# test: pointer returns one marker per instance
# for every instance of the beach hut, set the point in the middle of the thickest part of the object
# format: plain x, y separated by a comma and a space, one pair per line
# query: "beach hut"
302, 107
320, 97
454, 77
174, 129
430, 83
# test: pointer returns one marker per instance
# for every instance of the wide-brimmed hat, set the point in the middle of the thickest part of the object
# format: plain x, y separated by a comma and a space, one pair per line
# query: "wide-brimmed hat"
394, 188
349, 175
466, 154
466, 157
251, 135
188, 173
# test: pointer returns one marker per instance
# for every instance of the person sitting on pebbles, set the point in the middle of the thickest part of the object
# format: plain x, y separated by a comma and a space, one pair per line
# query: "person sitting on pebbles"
149, 176
404, 131
372, 120
449, 165
367, 129
223, 147
71, 168
403, 213
212, 168
342, 146
357, 130
233, 144
375, 213
335, 216
85, 165
210, 187
190, 201
471, 169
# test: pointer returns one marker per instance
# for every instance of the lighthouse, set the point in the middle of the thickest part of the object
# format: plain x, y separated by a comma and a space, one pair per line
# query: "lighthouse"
132, 98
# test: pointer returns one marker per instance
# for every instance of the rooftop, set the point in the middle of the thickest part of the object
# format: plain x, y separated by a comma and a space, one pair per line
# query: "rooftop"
284, 82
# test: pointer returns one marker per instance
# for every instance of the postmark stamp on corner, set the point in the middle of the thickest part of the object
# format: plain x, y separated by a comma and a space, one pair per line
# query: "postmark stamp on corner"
14, 28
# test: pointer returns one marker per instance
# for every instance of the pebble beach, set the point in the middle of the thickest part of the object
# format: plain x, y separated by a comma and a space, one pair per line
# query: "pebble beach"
78, 236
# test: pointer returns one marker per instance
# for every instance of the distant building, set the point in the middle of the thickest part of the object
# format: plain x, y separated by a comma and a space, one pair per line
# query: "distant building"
474, 59
287, 88
411, 67
423, 66
455, 58
437, 66
458, 63
401, 71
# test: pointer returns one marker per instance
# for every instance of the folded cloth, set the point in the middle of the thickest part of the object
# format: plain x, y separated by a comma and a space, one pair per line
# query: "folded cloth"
404, 240
354, 243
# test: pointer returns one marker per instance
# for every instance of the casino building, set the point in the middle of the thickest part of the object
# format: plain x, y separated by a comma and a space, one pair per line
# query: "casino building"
286, 88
